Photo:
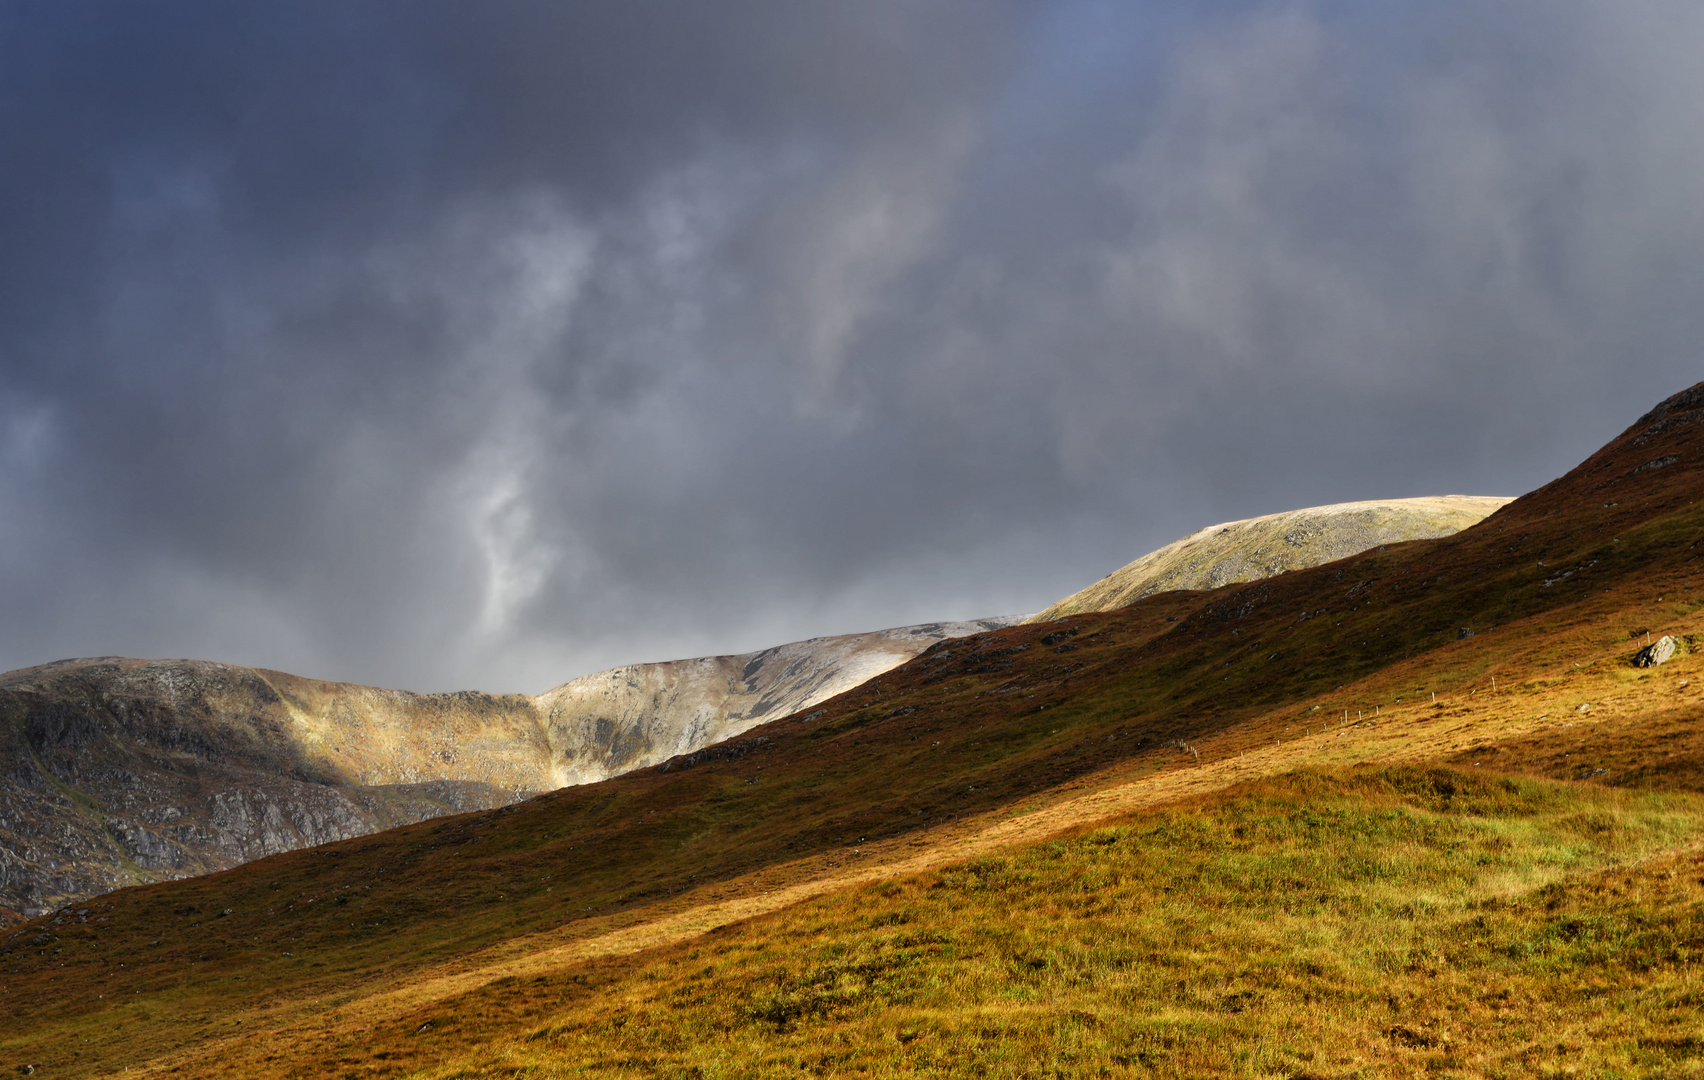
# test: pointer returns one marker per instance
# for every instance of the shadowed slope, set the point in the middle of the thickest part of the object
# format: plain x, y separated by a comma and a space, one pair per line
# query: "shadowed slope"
1277, 543
333, 954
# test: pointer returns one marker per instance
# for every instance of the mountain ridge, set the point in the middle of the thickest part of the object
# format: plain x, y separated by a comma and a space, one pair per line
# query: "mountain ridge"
119, 770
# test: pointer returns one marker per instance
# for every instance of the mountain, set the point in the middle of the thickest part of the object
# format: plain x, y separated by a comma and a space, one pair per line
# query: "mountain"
629, 717
1237, 551
1415, 812
120, 771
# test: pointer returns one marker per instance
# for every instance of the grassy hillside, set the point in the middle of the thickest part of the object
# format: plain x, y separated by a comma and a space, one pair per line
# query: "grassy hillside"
1271, 872
1403, 922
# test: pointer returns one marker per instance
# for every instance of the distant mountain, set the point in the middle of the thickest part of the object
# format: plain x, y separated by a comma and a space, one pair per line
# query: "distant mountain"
1261, 547
117, 771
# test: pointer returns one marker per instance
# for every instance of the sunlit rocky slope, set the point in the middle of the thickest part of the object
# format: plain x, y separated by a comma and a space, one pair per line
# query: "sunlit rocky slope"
119, 771
1260, 547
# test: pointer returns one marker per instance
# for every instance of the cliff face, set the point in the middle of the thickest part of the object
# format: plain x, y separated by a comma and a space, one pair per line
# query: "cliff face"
116, 771
1264, 546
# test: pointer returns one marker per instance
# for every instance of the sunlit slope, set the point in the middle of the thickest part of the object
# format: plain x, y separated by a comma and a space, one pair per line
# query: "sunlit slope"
1388, 923
1260, 547
509, 922
124, 771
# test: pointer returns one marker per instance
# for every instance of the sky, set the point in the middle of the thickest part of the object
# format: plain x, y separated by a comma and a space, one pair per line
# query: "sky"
444, 345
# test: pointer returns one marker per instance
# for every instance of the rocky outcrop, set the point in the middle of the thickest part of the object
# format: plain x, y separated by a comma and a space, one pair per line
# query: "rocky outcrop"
117, 771
1261, 547
1660, 651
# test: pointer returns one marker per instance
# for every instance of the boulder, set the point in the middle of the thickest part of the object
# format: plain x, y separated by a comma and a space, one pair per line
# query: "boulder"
1657, 652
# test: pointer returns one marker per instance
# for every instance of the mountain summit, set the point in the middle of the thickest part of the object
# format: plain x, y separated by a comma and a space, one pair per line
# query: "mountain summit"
1247, 550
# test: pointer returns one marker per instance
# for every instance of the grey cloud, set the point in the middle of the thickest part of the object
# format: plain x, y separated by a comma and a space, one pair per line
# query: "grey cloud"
448, 345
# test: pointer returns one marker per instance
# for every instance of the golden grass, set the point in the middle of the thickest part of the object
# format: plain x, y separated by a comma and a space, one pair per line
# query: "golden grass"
1406, 922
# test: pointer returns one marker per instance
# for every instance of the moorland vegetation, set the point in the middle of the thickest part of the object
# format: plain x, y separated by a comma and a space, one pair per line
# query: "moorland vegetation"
1412, 813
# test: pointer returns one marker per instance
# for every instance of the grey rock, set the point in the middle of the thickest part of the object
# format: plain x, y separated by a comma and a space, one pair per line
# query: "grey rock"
629, 717
1660, 651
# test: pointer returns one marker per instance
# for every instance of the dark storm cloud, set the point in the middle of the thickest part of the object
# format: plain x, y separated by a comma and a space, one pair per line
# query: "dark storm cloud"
448, 344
